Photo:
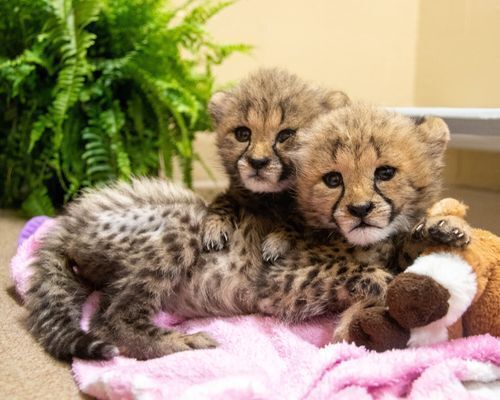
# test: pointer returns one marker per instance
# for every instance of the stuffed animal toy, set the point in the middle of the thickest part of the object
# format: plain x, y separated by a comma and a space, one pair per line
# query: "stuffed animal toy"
446, 293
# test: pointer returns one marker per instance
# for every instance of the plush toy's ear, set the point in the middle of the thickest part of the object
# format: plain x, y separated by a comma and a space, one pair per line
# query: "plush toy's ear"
336, 99
448, 206
434, 132
217, 106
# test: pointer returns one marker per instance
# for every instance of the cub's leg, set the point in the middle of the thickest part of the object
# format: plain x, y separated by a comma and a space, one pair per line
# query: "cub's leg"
125, 318
219, 223
295, 294
366, 290
277, 243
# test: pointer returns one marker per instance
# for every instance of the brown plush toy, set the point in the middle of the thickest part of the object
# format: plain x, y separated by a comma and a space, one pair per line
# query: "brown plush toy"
446, 293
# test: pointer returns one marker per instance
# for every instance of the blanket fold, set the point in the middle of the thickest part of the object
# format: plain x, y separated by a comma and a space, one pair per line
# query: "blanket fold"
262, 358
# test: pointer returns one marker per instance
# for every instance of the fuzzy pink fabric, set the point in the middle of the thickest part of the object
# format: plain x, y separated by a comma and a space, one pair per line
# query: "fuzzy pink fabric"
262, 358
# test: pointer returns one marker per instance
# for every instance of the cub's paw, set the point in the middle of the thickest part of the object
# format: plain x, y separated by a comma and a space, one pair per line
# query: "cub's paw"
217, 231
368, 285
275, 246
176, 342
449, 230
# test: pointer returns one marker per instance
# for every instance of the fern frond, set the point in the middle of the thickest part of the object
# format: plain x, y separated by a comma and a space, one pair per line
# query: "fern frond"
199, 15
71, 17
97, 155
112, 121
38, 203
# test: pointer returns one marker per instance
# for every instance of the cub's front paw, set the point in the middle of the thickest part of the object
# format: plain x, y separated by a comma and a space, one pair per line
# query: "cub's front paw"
449, 230
275, 246
217, 231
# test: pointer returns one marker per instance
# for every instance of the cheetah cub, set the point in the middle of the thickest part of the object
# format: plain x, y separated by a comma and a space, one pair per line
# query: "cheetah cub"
367, 176
256, 124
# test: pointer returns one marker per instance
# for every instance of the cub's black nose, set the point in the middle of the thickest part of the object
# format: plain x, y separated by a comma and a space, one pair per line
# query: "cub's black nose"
360, 210
258, 163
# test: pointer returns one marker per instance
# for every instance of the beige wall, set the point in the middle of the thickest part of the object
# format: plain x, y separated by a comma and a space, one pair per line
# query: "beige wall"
365, 47
458, 53
458, 65
391, 52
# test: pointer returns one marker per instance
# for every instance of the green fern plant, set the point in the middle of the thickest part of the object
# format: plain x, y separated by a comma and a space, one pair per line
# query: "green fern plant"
93, 90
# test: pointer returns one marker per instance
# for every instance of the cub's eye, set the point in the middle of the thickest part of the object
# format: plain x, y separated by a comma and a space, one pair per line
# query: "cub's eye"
284, 135
242, 134
385, 173
332, 179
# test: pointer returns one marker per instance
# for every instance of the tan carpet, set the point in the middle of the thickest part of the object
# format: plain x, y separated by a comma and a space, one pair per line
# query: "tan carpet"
26, 372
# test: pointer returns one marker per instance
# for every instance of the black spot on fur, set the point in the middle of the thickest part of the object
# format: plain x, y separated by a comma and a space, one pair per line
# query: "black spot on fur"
312, 274
175, 248
300, 303
375, 289
216, 280
169, 238
195, 228
351, 282
314, 259
111, 237
342, 270
289, 278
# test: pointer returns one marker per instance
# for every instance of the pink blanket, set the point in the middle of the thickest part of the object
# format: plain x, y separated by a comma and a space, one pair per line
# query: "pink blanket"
261, 358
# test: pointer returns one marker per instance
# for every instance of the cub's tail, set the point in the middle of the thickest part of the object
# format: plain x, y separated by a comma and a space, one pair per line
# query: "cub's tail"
54, 302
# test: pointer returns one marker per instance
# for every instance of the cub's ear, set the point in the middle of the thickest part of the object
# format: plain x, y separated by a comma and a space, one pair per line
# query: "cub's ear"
217, 106
434, 132
336, 99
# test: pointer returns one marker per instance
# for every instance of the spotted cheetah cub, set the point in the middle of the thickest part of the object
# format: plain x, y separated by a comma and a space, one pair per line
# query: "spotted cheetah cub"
256, 124
368, 175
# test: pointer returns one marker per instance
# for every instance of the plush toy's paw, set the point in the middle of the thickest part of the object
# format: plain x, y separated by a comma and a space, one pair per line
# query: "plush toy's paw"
275, 246
217, 231
415, 300
448, 230
377, 330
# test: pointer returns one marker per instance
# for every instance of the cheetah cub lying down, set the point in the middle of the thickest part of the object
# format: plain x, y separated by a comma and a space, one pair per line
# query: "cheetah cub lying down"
368, 175
140, 244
